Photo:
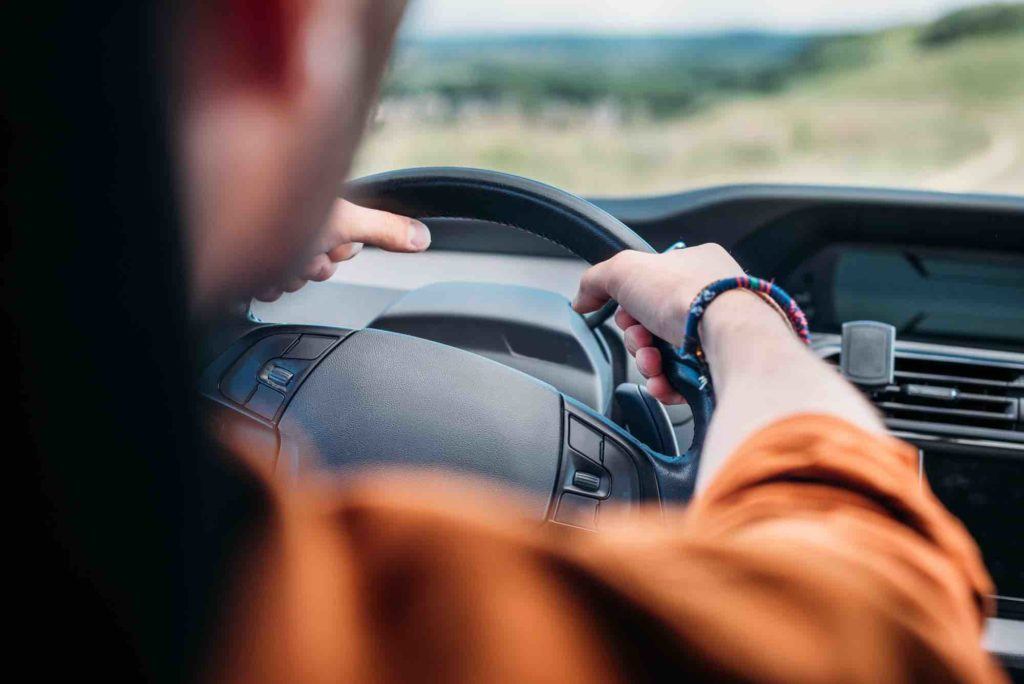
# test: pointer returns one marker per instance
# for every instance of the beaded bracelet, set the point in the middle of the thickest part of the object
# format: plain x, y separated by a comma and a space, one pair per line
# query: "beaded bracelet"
691, 339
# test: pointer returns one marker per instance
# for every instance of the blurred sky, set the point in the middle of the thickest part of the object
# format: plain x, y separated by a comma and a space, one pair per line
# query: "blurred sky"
650, 16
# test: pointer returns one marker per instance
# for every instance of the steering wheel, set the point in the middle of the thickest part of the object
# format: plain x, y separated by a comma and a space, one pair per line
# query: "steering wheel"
371, 398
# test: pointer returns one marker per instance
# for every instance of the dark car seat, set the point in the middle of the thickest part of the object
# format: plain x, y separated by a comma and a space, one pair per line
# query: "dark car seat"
120, 514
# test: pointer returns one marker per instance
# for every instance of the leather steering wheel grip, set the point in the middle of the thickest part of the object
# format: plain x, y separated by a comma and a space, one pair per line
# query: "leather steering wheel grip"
587, 231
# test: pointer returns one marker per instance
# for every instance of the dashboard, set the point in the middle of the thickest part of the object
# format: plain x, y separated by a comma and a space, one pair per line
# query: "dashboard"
946, 270
949, 295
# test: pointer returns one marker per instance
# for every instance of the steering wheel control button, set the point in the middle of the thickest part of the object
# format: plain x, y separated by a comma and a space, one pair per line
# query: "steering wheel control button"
276, 376
584, 440
283, 374
240, 381
576, 510
581, 475
265, 402
311, 347
625, 479
586, 481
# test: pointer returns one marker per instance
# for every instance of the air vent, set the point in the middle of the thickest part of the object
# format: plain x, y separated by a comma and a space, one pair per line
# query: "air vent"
953, 396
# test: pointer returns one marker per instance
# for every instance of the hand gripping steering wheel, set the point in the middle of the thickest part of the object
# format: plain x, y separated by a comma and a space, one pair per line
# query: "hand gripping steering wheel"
584, 229
375, 398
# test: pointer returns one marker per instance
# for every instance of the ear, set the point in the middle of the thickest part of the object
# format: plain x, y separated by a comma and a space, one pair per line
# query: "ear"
260, 38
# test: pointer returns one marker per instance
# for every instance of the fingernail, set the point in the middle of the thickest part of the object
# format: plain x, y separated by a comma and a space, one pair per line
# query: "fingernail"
419, 235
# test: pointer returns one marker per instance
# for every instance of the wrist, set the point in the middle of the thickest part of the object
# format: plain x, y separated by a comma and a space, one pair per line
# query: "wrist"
738, 324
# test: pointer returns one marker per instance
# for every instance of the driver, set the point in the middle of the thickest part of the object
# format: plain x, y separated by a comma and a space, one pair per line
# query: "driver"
811, 553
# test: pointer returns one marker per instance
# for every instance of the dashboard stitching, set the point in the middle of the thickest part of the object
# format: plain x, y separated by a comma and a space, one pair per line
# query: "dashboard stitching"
507, 225
571, 212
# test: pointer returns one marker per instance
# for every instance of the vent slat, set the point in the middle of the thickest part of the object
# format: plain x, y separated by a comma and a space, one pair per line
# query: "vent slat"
969, 370
949, 379
946, 395
1006, 416
961, 397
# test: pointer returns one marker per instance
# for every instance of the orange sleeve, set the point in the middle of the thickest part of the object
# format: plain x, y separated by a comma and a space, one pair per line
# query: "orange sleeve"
853, 538
816, 555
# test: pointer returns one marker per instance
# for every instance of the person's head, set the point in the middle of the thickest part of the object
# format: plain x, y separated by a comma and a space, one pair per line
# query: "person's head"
274, 96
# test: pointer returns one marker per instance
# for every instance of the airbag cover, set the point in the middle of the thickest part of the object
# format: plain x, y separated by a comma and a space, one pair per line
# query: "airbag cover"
382, 399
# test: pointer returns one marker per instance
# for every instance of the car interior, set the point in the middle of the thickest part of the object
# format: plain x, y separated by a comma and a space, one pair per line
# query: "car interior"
916, 296
498, 286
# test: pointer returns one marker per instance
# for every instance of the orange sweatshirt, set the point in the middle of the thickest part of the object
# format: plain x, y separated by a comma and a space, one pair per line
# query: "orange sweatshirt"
816, 555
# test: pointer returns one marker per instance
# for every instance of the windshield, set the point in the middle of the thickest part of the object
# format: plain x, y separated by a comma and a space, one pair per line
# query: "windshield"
627, 97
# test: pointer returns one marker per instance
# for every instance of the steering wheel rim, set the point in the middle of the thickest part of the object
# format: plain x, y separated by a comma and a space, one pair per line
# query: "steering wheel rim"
542, 210
548, 212
439, 192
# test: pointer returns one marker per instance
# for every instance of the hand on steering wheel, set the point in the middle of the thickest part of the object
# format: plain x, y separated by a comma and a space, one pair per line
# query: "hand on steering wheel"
654, 292
350, 227
441, 406
576, 225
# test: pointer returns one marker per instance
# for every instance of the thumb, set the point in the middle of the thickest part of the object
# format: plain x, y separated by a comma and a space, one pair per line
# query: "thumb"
352, 223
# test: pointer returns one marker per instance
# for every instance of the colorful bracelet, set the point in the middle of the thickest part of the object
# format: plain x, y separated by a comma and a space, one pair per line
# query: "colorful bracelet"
766, 288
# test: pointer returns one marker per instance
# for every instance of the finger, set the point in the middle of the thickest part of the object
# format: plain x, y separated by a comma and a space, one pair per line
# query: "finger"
353, 223
648, 362
624, 320
317, 267
271, 294
637, 337
345, 251
662, 390
325, 272
586, 302
294, 285
600, 283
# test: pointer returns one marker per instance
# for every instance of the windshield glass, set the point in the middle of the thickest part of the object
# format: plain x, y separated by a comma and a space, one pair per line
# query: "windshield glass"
627, 97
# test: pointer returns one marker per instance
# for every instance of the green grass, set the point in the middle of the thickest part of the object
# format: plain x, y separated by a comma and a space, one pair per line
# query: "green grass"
885, 109
972, 72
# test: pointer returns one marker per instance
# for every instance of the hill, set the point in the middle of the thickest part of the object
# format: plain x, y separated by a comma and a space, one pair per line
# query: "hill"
895, 107
660, 74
